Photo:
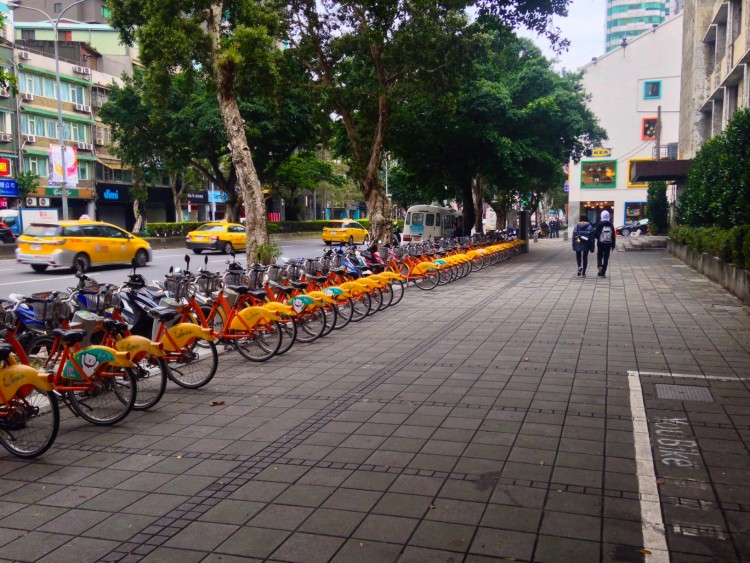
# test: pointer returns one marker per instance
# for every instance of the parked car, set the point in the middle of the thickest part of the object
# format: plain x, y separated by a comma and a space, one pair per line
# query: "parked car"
632, 226
220, 236
70, 244
346, 231
6, 233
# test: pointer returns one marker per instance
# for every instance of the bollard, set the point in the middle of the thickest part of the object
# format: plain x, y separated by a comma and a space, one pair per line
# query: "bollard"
565, 234
536, 237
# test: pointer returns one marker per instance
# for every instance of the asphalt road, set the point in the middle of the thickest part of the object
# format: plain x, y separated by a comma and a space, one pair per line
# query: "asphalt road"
20, 278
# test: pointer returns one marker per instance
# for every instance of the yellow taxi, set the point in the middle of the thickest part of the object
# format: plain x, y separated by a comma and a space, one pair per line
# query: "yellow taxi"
70, 244
220, 236
346, 231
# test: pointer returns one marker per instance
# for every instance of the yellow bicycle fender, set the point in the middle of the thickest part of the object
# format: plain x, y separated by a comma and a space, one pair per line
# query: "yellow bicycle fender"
12, 378
90, 358
182, 334
280, 308
322, 296
336, 291
370, 283
138, 345
354, 288
423, 267
392, 275
381, 279
252, 316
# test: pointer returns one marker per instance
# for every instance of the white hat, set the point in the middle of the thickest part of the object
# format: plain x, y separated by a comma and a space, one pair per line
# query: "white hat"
605, 215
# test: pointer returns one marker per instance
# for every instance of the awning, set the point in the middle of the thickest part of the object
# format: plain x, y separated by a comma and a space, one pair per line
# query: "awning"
659, 171
36, 152
46, 113
51, 74
111, 164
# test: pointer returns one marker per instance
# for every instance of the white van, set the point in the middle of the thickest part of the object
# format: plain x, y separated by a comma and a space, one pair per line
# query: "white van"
429, 222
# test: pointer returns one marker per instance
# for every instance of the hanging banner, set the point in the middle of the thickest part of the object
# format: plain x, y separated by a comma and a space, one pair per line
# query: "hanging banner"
55, 166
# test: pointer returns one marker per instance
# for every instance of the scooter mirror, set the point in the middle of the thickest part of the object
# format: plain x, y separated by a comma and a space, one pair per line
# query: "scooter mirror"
205, 263
187, 261
171, 269
232, 254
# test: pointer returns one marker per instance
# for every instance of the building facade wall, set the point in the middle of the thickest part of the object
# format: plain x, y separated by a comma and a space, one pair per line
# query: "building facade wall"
627, 87
627, 19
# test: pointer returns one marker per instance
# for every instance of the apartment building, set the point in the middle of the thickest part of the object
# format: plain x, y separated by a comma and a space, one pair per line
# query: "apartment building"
627, 19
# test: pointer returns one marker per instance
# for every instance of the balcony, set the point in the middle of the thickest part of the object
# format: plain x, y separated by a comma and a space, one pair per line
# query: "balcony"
668, 151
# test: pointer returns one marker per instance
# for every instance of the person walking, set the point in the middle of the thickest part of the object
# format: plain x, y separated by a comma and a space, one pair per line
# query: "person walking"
554, 226
583, 243
605, 234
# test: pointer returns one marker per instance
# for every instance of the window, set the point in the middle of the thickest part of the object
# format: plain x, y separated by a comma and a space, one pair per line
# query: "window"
63, 35
78, 132
630, 167
236, 229
76, 94
83, 170
652, 89
599, 174
417, 219
58, 7
437, 219
648, 129
105, 12
430, 220
36, 165
111, 232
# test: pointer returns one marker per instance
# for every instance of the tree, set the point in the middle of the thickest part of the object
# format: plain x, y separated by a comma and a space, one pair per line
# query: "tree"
27, 183
658, 208
368, 57
228, 42
718, 184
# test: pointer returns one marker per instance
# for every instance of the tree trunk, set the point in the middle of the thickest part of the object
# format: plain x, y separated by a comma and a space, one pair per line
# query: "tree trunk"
176, 196
467, 200
247, 176
477, 196
378, 208
138, 226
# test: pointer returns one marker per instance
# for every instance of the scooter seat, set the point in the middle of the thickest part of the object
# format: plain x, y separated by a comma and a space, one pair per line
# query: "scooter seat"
71, 336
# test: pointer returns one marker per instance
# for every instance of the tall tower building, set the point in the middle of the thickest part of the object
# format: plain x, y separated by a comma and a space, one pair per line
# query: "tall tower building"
627, 19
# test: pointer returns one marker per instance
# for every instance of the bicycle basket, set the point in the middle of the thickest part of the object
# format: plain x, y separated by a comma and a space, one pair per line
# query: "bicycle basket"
277, 274
254, 279
233, 278
231, 296
177, 286
91, 300
207, 284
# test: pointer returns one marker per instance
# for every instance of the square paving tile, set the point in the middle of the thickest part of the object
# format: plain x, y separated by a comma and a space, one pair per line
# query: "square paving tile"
252, 542
505, 544
281, 517
332, 522
308, 548
386, 528
201, 536
443, 536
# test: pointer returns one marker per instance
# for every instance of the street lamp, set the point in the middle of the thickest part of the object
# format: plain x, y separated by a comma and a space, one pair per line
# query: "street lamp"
60, 128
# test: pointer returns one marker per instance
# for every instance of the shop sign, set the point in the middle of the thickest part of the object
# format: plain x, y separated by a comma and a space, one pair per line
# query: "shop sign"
57, 192
217, 196
111, 194
200, 197
8, 188
601, 152
3, 203
4, 167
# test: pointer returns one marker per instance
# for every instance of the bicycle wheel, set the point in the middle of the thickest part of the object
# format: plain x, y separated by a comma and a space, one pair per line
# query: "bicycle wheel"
193, 366
387, 297
29, 422
310, 325
477, 264
332, 312
444, 276
427, 281
262, 345
288, 334
151, 382
376, 296
40, 354
344, 312
361, 307
108, 398
398, 288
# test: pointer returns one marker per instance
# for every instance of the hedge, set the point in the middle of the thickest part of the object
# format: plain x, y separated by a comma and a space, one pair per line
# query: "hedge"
181, 229
731, 245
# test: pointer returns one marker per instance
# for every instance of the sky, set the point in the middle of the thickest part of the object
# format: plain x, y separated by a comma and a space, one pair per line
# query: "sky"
584, 28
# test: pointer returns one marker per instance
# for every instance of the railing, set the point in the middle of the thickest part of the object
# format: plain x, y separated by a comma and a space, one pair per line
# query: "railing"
670, 151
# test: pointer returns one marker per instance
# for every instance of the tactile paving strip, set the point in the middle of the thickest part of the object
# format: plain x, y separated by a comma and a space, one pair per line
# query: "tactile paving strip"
684, 393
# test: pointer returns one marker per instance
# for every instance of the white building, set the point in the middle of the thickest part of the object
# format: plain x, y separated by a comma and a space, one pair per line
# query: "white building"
629, 87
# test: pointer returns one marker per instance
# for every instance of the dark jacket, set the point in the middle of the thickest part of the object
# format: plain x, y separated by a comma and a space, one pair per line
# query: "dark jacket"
583, 237
598, 231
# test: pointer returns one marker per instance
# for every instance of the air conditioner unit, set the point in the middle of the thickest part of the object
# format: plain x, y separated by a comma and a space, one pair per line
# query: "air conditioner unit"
31, 202
5, 138
81, 69
29, 138
44, 202
99, 141
24, 55
85, 146
82, 108
4, 93
28, 97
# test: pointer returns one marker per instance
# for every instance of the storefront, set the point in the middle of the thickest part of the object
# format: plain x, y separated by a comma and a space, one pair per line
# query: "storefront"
79, 200
8, 194
114, 206
159, 206
593, 210
635, 211
196, 207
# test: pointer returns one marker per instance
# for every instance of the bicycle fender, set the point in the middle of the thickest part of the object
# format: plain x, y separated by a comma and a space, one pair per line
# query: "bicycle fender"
252, 316
423, 268
322, 296
299, 303
392, 276
91, 357
335, 291
182, 334
354, 287
279, 308
138, 345
12, 378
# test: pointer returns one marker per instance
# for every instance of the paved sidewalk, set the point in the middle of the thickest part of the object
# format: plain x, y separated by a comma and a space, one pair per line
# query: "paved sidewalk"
521, 413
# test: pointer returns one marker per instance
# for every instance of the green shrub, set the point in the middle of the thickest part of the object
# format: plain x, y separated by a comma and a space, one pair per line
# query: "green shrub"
171, 229
731, 245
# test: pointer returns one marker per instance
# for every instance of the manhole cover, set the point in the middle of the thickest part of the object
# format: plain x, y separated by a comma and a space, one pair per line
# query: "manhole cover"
684, 393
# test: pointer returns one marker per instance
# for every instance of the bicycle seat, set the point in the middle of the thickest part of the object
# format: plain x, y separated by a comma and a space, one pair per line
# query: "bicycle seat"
240, 289
316, 278
258, 293
162, 313
71, 336
5, 351
115, 327
285, 289
299, 284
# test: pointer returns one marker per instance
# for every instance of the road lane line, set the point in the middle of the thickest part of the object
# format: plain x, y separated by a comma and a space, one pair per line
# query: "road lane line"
37, 280
652, 524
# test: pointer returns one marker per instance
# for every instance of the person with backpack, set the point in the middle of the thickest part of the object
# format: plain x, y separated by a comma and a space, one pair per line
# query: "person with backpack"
583, 243
605, 233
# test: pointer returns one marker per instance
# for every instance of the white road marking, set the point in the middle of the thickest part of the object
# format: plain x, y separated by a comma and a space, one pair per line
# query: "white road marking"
692, 376
7, 269
37, 280
652, 524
